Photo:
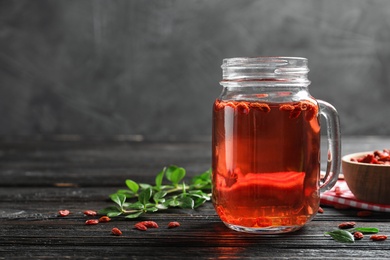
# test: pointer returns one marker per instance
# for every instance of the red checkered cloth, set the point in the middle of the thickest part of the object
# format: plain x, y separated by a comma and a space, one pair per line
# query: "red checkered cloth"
345, 198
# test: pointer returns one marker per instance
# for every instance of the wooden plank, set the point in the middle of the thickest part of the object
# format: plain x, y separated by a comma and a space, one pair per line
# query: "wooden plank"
33, 187
86, 163
89, 164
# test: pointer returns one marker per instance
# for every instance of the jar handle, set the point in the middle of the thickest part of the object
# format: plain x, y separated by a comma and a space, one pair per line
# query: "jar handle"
334, 145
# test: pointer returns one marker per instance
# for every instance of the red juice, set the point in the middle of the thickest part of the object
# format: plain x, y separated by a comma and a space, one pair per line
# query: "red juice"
266, 163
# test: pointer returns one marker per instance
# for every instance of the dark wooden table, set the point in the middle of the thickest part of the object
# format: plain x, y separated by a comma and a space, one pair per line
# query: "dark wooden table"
39, 176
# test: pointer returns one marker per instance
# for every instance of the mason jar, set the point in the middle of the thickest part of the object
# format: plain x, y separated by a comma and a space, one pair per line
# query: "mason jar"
266, 141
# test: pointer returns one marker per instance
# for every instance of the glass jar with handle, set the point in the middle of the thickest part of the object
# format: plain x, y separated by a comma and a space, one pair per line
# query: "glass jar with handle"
266, 145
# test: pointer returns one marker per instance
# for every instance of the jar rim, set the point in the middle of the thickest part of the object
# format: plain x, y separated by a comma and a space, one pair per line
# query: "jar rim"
269, 68
263, 60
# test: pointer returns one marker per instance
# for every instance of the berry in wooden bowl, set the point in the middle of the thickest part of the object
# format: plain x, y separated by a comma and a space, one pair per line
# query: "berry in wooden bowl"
367, 175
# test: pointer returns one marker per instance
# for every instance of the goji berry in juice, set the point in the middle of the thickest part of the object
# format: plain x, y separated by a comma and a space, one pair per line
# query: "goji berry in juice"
266, 163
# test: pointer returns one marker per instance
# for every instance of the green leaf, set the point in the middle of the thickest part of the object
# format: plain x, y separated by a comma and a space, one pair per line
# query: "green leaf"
135, 205
205, 177
110, 210
114, 214
199, 194
365, 230
175, 174
173, 202
145, 186
202, 181
169, 171
341, 236
132, 185
118, 199
127, 193
199, 202
151, 209
159, 178
162, 206
149, 205
145, 195
159, 196
187, 203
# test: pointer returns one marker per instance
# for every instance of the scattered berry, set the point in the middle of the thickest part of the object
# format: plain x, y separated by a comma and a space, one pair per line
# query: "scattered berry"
140, 226
92, 222
173, 224
63, 213
358, 235
104, 219
116, 231
378, 237
90, 213
347, 225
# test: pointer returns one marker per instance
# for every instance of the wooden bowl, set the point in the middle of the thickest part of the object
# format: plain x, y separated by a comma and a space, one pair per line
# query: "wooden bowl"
368, 182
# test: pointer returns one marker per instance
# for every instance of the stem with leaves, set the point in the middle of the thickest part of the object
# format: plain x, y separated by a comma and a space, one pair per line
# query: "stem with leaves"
148, 198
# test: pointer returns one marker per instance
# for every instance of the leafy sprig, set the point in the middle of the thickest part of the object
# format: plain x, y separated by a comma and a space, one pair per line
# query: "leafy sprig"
140, 198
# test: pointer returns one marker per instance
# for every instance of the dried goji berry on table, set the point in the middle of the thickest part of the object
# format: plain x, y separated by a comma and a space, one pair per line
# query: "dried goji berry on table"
140, 226
104, 219
347, 225
149, 224
378, 237
92, 222
358, 235
63, 213
90, 213
173, 224
116, 231
320, 210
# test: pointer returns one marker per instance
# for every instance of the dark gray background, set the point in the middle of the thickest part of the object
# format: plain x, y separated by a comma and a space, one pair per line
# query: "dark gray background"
152, 67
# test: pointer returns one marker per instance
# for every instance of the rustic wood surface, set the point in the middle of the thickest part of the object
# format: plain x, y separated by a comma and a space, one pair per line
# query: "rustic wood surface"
39, 176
